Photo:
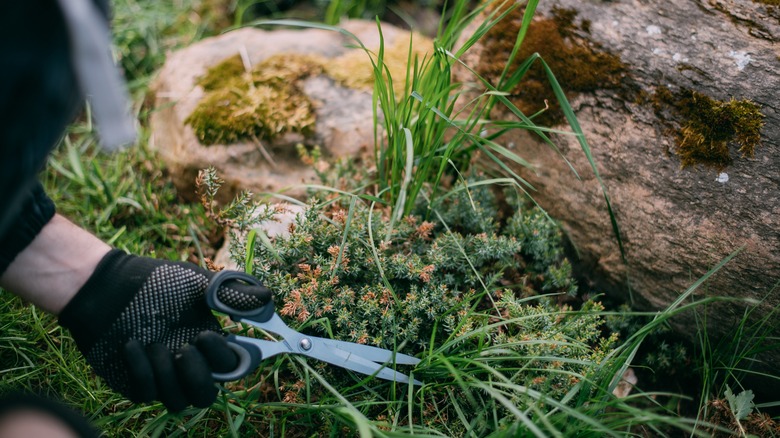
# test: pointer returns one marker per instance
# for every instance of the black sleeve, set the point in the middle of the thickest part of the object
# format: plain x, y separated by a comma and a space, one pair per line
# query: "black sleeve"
38, 98
37, 210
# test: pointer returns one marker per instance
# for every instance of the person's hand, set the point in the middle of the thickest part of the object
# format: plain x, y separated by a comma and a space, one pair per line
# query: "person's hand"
144, 326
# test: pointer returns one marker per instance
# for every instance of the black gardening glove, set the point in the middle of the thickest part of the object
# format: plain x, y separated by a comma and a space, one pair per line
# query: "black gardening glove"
144, 326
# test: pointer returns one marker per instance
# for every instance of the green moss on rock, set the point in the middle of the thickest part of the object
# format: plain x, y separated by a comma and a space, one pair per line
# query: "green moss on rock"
229, 115
708, 126
220, 75
261, 104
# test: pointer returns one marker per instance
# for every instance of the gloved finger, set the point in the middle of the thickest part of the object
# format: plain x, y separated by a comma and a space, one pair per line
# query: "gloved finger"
195, 377
243, 296
199, 317
214, 347
168, 388
141, 384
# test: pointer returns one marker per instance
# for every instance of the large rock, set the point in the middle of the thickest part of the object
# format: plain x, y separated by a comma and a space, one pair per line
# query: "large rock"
343, 115
676, 222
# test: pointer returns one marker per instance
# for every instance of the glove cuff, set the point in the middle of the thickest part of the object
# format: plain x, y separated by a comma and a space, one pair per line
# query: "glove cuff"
104, 296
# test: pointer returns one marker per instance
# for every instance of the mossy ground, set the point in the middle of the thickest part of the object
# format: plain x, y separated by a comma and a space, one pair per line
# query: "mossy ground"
267, 100
708, 126
579, 65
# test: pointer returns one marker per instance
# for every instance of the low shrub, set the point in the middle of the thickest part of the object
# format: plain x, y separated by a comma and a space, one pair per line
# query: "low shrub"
451, 282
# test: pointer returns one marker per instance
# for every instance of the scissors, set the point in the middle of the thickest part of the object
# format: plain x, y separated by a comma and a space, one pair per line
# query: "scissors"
360, 358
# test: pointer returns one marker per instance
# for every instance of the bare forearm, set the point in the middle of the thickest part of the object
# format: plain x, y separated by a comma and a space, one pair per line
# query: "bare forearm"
50, 271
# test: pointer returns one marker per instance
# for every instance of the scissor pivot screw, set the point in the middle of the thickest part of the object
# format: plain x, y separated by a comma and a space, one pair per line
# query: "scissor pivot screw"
306, 344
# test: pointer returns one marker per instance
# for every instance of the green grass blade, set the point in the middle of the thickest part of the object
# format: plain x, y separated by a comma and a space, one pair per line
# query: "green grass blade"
575, 125
528, 15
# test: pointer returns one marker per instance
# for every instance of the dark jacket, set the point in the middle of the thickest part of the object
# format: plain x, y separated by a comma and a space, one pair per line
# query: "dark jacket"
38, 98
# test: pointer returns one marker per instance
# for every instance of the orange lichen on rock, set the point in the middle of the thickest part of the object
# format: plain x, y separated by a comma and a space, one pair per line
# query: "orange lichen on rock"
578, 64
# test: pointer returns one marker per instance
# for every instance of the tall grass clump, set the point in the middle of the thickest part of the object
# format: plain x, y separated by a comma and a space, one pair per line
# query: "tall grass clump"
732, 366
432, 130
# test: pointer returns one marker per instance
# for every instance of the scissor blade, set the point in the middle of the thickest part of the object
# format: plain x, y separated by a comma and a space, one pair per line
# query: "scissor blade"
374, 354
267, 348
354, 362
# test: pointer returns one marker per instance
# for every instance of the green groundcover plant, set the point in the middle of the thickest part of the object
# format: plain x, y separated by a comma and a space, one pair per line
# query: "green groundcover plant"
477, 290
340, 271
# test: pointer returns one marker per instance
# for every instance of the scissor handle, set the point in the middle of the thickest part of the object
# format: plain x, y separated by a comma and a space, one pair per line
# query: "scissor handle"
261, 314
249, 357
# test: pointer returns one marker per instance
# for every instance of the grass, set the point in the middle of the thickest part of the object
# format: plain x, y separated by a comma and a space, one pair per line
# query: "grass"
485, 398
729, 361
126, 200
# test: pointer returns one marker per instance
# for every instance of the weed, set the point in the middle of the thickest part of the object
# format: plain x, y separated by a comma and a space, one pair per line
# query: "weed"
497, 359
432, 288
733, 360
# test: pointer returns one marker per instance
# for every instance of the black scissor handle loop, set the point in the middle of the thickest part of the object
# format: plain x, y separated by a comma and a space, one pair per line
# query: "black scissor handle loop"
261, 314
248, 359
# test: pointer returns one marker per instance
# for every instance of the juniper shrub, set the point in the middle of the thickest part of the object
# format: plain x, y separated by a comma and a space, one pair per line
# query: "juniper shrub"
341, 272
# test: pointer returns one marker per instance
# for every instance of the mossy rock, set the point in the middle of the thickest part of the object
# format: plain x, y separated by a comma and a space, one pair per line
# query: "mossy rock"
580, 65
246, 114
685, 137
266, 101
